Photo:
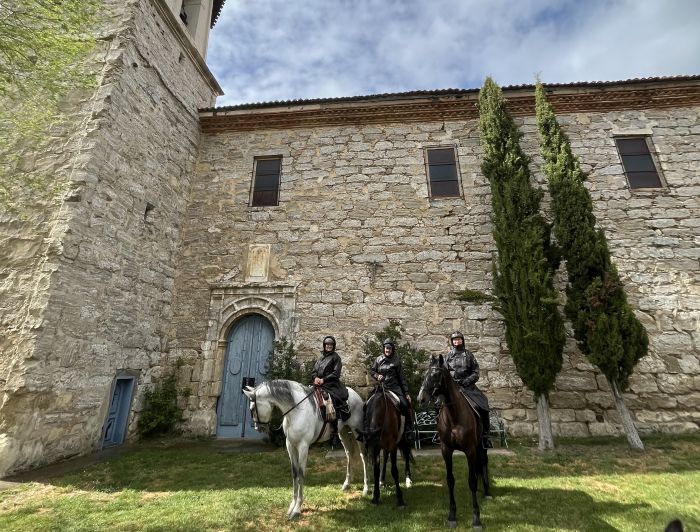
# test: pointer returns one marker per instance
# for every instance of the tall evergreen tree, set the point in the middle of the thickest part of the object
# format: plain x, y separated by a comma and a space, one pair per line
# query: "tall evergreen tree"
526, 262
604, 325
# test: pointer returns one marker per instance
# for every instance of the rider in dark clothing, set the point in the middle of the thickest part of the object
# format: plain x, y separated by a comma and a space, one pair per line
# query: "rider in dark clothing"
326, 374
464, 369
387, 370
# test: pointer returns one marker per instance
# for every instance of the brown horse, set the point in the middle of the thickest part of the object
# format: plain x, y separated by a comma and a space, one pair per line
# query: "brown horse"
459, 428
386, 431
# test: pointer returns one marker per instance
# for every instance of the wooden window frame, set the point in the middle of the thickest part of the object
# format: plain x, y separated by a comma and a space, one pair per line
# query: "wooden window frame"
652, 154
254, 177
458, 171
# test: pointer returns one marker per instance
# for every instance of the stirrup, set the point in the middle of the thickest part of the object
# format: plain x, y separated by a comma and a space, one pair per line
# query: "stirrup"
335, 440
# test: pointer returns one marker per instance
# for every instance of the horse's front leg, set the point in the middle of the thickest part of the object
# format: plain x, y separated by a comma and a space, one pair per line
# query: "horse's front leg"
365, 487
473, 481
406, 453
348, 446
375, 465
447, 457
382, 476
294, 461
395, 474
484, 462
303, 451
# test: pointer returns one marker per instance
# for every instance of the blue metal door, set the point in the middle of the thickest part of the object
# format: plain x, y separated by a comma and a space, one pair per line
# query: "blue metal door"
249, 344
118, 412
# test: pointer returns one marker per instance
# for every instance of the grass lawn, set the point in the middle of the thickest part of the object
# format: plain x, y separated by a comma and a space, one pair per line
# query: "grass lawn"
594, 485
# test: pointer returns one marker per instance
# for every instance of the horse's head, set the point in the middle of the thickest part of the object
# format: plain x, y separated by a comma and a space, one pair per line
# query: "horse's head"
260, 408
433, 382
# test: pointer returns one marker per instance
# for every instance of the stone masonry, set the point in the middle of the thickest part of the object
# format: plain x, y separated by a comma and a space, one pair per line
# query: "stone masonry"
86, 295
356, 240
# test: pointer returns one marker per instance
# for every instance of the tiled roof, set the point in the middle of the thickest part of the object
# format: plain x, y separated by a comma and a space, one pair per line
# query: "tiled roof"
443, 92
216, 11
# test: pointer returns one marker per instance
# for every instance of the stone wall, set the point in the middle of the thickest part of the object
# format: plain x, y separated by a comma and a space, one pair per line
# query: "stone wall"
106, 276
358, 240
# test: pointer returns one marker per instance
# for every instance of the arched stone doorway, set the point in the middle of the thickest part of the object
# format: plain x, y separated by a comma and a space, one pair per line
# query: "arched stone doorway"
249, 342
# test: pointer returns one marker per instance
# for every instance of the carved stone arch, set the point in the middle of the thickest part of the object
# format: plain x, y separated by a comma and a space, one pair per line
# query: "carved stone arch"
236, 309
230, 302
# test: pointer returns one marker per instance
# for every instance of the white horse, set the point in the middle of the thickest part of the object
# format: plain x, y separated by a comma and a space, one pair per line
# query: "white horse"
302, 425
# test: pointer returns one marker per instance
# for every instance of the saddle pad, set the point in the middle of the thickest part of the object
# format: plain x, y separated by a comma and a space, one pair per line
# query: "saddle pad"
394, 398
472, 405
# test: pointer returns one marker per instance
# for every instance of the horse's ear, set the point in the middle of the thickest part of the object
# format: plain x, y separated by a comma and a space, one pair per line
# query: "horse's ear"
441, 360
249, 392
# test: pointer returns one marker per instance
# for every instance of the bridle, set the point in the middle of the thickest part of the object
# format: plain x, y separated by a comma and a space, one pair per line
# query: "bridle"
259, 425
432, 392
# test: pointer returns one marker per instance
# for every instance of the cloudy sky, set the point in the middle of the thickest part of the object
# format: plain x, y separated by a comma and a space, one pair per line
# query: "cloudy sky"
268, 50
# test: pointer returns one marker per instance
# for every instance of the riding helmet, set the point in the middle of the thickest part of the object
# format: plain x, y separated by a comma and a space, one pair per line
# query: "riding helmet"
329, 340
456, 334
390, 342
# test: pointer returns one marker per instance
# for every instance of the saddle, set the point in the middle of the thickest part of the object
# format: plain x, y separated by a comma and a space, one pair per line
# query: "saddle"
325, 404
473, 407
393, 399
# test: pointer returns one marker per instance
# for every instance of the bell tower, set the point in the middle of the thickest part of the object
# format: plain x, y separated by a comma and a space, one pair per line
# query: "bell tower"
197, 17
87, 317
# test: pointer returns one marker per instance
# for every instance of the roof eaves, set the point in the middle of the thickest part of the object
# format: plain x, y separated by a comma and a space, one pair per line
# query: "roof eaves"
216, 11
440, 92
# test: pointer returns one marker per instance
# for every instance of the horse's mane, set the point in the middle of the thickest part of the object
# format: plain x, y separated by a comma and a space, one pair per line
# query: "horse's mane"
283, 390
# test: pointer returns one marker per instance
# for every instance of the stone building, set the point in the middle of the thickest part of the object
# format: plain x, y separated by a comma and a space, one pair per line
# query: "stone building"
198, 235
336, 215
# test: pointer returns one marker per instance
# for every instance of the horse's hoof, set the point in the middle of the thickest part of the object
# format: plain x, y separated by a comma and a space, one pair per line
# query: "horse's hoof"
294, 515
452, 524
365, 492
409, 483
401, 505
346, 486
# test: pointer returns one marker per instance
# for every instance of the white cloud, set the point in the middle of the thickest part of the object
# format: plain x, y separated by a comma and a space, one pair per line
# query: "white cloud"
279, 50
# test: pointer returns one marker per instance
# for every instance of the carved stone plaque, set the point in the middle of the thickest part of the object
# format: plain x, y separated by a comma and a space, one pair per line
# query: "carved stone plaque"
258, 262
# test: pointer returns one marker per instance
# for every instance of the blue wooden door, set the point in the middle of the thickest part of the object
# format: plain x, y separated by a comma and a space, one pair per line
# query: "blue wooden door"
250, 341
118, 412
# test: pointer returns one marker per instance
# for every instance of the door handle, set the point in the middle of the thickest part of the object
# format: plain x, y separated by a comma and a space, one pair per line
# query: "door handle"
247, 381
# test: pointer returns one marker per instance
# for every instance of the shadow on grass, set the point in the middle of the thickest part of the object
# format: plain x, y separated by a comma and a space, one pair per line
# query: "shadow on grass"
514, 508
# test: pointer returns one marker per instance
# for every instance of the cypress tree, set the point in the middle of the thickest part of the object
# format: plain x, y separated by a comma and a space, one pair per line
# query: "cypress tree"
605, 326
526, 261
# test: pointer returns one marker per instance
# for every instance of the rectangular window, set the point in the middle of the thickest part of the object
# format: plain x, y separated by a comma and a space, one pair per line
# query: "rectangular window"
443, 175
638, 162
266, 183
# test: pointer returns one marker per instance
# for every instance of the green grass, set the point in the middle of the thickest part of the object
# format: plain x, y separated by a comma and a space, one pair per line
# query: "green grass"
594, 485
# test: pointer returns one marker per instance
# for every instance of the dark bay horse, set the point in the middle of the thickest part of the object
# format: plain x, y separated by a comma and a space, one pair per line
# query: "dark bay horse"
386, 434
459, 428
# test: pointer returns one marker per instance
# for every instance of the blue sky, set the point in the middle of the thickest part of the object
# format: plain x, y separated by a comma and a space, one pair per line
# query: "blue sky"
268, 50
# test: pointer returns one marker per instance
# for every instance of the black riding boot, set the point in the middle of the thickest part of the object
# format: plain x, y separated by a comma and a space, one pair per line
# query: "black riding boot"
409, 429
486, 422
335, 439
362, 436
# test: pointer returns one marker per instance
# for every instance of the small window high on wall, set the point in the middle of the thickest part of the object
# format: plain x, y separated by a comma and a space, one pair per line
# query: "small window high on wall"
638, 162
443, 174
266, 182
